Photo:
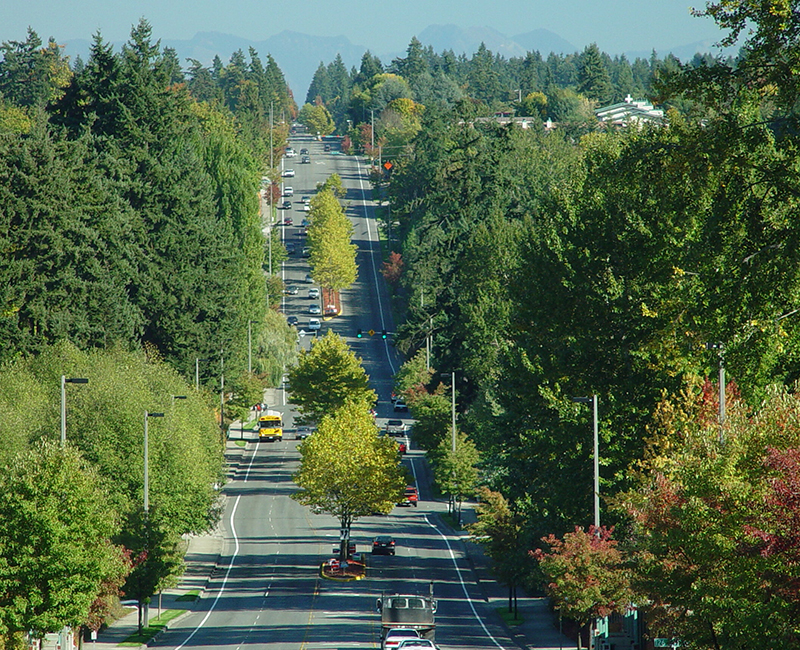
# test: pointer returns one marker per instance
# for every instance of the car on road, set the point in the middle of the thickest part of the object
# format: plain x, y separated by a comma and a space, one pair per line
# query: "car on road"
286, 205
306, 252
306, 160
313, 294
303, 151
287, 221
291, 249
309, 279
314, 324
327, 147
291, 290
417, 644
292, 321
288, 191
383, 545
301, 433
400, 405
314, 308
288, 173
396, 636
306, 201
290, 153
395, 427
410, 497
305, 222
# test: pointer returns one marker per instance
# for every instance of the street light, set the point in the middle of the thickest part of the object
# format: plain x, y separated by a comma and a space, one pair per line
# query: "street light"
64, 382
593, 401
197, 372
147, 415
720, 348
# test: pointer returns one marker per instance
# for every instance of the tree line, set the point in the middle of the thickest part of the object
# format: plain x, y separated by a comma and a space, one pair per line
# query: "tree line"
132, 256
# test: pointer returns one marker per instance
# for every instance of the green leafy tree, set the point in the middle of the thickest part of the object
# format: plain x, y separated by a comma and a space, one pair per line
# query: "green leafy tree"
499, 530
586, 576
333, 257
347, 470
456, 470
56, 524
334, 184
316, 118
712, 522
327, 376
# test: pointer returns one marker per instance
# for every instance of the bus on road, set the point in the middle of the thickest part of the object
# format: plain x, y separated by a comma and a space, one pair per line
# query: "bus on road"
270, 426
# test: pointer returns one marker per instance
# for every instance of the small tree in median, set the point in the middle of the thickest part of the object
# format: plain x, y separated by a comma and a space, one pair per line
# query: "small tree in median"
347, 470
326, 377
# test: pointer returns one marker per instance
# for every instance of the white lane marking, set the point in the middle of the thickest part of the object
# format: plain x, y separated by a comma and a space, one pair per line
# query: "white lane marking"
374, 268
230, 566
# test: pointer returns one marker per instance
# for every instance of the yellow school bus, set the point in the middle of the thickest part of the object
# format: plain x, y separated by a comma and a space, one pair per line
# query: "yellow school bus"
270, 426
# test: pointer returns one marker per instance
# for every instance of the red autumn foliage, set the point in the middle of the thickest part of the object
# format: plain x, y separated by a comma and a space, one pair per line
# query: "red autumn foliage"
393, 268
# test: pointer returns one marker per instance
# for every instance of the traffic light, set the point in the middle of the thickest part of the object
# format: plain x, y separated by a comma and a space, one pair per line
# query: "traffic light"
383, 334
359, 334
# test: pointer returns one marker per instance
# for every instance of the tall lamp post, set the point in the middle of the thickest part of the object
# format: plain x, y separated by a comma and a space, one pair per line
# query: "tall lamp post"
64, 381
593, 401
197, 372
720, 348
221, 394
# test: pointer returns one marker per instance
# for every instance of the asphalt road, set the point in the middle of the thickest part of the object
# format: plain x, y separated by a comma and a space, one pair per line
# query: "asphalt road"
267, 592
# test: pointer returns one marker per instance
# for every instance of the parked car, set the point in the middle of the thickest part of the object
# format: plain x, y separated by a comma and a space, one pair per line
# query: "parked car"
291, 290
313, 293
314, 324
396, 636
288, 173
314, 308
327, 147
383, 545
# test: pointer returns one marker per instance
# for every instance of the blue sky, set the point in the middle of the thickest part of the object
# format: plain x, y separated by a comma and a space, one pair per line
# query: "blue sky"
380, 25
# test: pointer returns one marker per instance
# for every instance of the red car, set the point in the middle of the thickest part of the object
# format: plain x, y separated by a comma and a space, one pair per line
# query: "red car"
410, 497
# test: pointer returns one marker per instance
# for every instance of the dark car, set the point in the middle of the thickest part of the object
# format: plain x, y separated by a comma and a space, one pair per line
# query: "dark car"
327, 147
292, 321
287, 205
383, 545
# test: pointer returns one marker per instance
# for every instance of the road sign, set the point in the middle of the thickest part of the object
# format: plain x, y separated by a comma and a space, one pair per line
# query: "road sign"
371, 332
387, 165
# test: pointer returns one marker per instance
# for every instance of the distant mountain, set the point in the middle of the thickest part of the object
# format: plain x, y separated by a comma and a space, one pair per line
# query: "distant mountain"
467, 40
544, 41
685, 52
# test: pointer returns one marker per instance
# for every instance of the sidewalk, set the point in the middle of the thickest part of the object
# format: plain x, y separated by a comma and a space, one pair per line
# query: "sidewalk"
201, 559
538, 631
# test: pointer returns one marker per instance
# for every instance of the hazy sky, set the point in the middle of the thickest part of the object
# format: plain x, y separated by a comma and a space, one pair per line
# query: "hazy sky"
381, 25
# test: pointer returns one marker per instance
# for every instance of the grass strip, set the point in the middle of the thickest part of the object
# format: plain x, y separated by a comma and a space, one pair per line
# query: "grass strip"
156, 625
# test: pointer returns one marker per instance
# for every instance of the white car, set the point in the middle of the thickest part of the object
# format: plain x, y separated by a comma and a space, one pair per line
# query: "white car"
314, 324
396, 636
417, 644
291, 153
288, 173
313, 294
306, 200
288, 191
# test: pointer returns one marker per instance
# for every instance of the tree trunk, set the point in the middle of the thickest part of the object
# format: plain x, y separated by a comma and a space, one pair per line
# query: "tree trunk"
510, 599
